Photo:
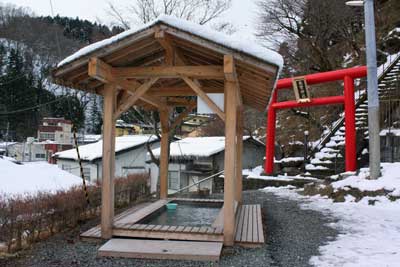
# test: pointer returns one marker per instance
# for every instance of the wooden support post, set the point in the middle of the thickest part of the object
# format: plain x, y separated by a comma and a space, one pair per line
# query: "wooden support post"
239, 152
164, 155
107, 186
229, 163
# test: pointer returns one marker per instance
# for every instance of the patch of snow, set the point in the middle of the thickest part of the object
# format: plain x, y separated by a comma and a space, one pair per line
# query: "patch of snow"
298, 143
233, 42
289, 159
318, 161
395, 132
390, 179
369, 235
31, 178
310, 167
255, 171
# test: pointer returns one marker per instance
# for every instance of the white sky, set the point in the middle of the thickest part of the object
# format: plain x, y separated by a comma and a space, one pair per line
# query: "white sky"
242, 14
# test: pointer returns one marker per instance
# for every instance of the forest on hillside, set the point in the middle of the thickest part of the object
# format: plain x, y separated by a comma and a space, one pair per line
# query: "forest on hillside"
311, 35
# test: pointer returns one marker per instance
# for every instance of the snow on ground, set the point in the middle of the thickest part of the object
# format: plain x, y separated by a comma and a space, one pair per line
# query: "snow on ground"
237, 43
390, 180
289, 159
369, 235
30, 178
256, 173
395, 132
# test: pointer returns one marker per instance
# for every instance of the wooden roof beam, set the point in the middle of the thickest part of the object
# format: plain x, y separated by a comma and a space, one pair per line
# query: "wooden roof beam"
163, 40
100, 70
204, 97
199, 72
181, 91
231, 76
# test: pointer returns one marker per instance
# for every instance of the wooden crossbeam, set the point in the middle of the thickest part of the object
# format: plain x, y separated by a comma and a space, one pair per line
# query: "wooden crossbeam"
100, 70
199, 72
130, 87
103, 72
204, 97
231, 75
139, 92
181, 91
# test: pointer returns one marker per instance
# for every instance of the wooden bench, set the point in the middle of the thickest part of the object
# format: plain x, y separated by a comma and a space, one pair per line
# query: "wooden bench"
249, 228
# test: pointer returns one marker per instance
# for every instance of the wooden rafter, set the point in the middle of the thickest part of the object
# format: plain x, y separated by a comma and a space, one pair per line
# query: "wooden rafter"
130, 101
204, 97
164, 41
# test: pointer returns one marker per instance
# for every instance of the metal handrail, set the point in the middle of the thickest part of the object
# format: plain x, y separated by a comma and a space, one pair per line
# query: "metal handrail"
359, 101
198, 182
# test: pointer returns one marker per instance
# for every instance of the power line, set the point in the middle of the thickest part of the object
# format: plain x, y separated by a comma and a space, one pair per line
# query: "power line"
13, 80
34, 107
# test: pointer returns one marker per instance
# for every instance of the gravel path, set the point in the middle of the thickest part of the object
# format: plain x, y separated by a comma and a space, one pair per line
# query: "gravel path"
293, 235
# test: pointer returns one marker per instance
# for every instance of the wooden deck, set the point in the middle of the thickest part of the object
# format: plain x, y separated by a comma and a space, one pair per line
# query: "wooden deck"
95, 232
161, 249
249, 228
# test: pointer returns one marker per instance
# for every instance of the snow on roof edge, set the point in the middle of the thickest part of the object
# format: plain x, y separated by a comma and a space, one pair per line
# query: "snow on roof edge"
199, 147
202, 31
93, 151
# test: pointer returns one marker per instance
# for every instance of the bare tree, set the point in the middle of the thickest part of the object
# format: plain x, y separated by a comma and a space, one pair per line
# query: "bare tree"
200, 11
321, 31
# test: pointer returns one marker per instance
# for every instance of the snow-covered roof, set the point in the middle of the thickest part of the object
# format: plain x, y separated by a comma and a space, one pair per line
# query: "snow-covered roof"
203, 31
197, 147
94, 151
34, 177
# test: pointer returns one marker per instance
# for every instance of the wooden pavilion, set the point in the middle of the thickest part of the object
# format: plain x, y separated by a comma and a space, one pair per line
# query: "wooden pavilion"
158, 67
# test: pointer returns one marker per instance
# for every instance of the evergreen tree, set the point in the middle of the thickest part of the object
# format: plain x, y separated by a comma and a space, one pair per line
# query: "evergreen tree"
95, 117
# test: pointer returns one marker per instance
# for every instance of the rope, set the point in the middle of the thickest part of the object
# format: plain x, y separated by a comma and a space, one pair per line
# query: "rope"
81, 167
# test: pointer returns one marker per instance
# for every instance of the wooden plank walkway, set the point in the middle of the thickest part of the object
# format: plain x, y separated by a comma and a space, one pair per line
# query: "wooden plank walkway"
95, 232
204, 233
156, 249
134, 217
249, 228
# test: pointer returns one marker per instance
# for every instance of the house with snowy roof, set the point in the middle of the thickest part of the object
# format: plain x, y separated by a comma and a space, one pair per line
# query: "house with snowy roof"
130, 157
195, 158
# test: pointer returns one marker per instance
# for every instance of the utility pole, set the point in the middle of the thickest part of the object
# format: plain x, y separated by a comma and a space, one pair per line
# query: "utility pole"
373, 96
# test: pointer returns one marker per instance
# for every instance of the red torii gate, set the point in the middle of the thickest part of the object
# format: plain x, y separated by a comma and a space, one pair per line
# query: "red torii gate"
348, 76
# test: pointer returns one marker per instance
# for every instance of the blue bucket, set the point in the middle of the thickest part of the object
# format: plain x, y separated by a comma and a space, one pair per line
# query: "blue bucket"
171, 206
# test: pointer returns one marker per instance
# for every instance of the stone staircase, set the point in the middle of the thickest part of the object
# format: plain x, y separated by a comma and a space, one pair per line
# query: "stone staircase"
327, 158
